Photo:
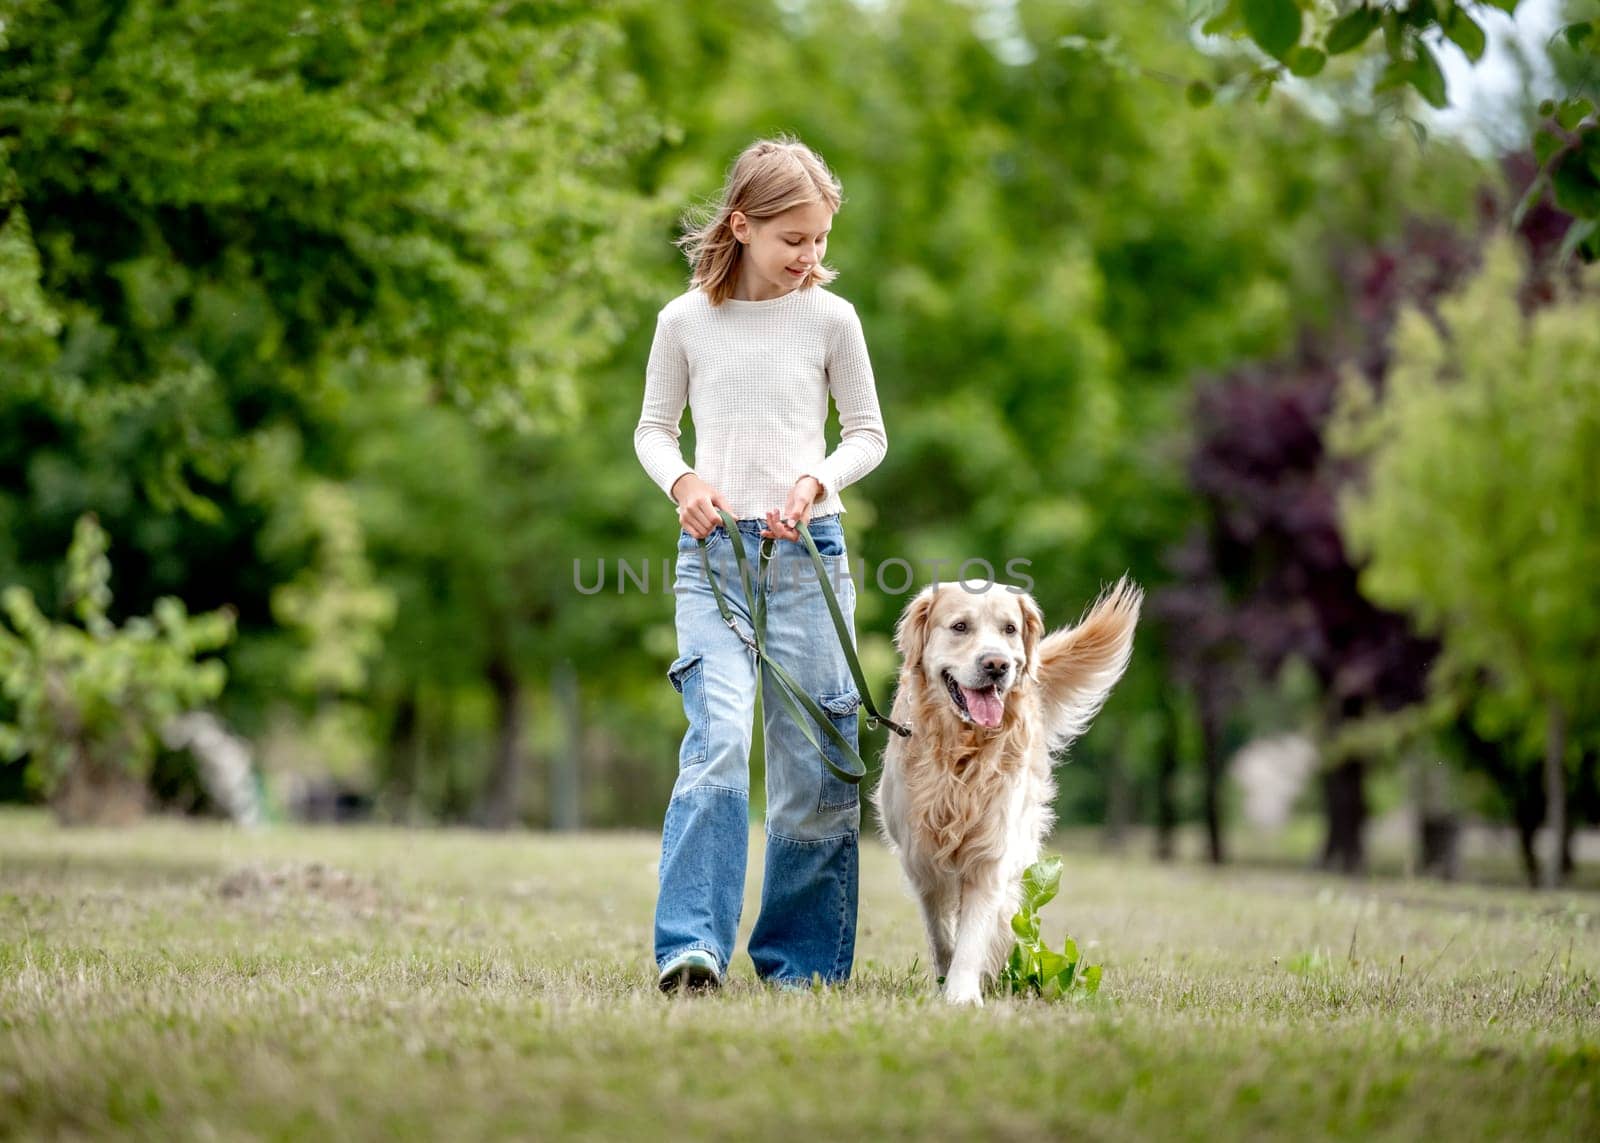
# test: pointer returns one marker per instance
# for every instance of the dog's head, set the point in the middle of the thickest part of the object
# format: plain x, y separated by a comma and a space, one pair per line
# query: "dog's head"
975, 640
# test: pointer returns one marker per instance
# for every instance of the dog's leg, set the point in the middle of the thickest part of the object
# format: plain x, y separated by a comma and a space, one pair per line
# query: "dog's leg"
938, 917
980, 904
1001, 940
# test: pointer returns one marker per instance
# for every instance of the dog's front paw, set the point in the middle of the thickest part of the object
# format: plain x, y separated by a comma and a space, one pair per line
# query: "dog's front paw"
963, 991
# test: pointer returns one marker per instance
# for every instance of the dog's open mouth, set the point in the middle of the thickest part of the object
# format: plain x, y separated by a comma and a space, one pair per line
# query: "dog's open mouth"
984, 707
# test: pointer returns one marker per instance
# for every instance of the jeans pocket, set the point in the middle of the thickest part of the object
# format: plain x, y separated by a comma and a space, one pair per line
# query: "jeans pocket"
687, 543
687, 677
829, 540
841, 708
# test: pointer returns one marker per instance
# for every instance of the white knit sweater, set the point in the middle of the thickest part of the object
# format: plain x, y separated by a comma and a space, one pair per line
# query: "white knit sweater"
756, 377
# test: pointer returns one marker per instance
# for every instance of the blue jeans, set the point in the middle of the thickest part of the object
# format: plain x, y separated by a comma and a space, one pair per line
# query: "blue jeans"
807, 923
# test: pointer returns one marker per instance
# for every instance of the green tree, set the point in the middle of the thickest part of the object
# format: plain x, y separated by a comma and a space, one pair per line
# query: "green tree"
1045, 247
324, 245
224, 232
91, 700
301, 200
1296, 38
1480, 514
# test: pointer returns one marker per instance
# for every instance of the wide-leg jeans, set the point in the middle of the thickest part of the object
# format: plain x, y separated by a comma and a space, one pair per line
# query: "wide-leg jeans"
807, 923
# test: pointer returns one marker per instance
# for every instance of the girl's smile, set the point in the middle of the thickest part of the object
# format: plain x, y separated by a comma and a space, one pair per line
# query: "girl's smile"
779, 253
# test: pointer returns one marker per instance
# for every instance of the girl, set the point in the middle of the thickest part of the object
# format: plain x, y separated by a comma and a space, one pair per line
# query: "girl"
755, 346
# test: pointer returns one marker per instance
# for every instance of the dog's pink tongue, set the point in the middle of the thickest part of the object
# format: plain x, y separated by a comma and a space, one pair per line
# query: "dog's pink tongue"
984, 706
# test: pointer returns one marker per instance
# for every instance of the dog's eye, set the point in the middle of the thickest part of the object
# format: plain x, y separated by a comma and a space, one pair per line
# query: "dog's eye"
959, 625
1011, 628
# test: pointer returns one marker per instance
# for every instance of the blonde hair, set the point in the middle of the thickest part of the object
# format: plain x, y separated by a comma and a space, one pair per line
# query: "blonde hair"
769, 177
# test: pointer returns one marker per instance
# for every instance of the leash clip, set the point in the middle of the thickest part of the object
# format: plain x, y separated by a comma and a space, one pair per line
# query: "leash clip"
873, 722
734, 627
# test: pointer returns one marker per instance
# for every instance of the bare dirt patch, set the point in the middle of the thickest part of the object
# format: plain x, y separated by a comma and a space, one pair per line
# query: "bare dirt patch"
271, 883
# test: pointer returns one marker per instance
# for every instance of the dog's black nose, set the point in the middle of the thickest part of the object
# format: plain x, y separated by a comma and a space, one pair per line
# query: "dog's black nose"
995, 666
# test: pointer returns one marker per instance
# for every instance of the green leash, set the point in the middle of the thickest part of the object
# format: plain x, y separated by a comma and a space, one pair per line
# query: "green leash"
793, 695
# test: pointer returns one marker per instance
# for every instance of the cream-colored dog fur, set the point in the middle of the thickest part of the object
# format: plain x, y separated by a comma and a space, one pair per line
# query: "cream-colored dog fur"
965, 805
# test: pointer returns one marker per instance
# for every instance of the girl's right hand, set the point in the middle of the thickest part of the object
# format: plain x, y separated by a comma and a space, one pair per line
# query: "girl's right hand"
697, 505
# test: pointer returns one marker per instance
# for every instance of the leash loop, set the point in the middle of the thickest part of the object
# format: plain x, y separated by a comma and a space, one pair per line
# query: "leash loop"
793, 696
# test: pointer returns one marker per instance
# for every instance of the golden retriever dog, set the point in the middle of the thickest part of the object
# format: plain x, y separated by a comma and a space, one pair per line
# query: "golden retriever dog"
965, 802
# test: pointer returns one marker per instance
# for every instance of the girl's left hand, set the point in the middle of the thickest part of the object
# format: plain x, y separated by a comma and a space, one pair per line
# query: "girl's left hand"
796, 507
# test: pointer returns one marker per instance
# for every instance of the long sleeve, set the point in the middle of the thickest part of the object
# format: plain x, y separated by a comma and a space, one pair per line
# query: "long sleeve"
666, 391
862, 439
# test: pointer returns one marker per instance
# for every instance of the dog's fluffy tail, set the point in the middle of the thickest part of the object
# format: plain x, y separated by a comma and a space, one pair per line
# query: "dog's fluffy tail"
1079, 665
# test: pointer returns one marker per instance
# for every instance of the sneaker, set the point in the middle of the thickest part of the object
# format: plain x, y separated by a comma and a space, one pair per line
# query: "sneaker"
694, 970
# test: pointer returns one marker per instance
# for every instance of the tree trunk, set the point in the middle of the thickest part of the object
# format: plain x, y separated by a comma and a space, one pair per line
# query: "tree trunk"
1211, 746
1527, 831
502, 794
1520, 790
1581, 789
1441, 846
404, 747
1527, 808
1166, 809
451, 802
1117, 795
1344, 800
565, 811
90, 794
1438, 827
1555, 793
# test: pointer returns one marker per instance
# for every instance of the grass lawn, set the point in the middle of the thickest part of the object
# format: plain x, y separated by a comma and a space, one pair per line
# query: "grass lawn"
181, 980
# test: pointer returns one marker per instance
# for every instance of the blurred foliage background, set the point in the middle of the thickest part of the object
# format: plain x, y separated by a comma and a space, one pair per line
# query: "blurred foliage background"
334, 316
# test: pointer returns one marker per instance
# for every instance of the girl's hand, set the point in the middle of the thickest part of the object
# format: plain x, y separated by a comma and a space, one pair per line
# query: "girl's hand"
697, 505
796, 507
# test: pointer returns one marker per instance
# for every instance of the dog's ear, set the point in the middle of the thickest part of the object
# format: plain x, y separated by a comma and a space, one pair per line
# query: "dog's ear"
1032, 632
911, 632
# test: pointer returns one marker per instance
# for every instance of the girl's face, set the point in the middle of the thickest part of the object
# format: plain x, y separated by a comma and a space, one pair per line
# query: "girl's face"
780, 252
